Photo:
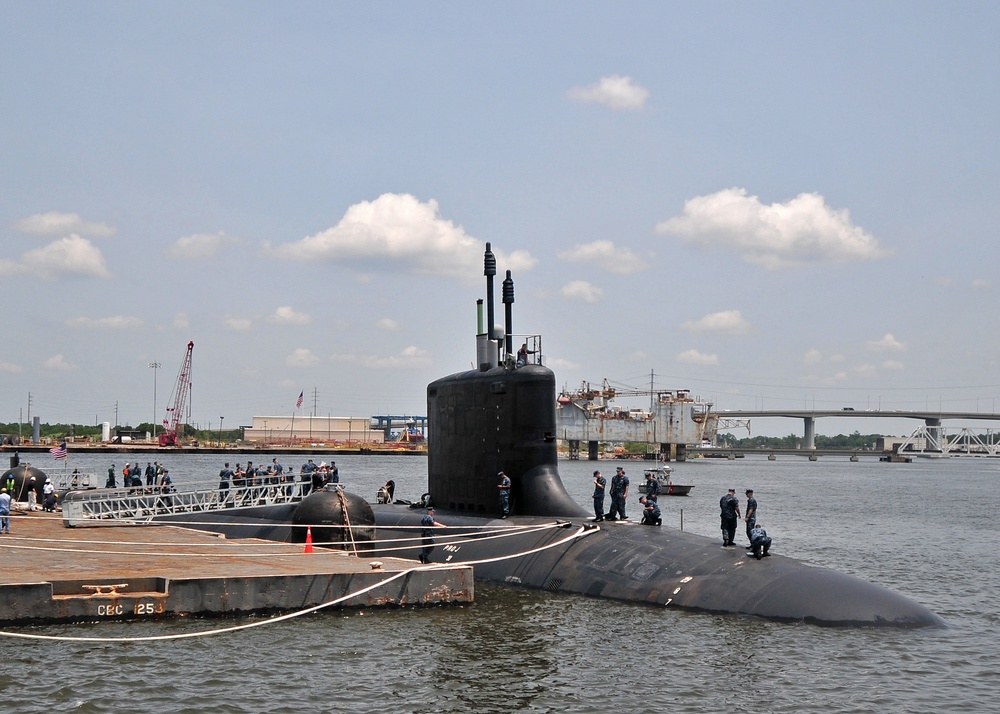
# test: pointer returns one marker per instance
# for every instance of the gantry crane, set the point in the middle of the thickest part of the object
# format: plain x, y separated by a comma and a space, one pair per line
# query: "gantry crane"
175, 413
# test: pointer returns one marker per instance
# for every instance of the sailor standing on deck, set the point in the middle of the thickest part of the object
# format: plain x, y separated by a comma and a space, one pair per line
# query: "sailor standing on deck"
729, 505
4, 511
504, 487
652, 486
599, 487
619, 495
427, 534
751, 515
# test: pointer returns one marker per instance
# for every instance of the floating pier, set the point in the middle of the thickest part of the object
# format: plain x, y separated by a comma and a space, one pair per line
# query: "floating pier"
57, 574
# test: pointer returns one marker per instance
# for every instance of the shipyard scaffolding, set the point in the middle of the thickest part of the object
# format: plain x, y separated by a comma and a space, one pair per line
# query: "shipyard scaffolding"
674, 421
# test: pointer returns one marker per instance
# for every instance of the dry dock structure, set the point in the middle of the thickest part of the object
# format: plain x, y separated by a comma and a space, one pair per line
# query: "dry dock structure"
51, 573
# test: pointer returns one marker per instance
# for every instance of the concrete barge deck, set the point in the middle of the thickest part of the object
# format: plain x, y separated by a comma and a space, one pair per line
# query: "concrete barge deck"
55, 574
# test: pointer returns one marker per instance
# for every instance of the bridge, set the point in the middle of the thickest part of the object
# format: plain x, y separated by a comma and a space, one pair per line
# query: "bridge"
932, 419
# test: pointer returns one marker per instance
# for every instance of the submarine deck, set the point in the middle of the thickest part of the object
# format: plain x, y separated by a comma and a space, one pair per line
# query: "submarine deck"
52, 573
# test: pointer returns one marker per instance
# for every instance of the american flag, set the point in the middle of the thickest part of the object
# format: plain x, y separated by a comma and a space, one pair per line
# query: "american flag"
59, 451
298, 402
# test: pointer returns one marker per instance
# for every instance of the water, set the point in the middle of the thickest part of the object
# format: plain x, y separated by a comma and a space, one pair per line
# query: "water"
925, 529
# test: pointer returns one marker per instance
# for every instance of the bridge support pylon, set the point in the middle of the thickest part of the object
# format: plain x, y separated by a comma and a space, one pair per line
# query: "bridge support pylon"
809, 437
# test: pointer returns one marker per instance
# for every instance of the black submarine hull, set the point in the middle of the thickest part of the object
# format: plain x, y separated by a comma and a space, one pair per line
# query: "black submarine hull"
655, 565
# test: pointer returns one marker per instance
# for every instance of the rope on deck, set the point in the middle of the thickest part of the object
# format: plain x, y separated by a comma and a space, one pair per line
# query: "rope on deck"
582, 531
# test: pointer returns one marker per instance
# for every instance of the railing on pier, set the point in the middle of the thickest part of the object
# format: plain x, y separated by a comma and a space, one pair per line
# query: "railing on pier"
142, 505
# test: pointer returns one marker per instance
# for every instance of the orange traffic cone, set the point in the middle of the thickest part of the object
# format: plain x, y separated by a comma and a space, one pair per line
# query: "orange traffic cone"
309, 540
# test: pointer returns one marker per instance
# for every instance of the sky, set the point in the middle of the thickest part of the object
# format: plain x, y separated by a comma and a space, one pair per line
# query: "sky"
773, 205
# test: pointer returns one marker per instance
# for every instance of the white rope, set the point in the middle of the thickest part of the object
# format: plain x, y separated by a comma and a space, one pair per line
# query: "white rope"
580, 532
457, 539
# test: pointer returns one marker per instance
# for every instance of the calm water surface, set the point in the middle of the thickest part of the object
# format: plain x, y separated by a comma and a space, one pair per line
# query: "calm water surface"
926, 529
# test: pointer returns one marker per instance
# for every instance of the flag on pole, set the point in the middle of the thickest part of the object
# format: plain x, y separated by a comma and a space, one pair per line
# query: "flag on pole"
298, 402
59, 451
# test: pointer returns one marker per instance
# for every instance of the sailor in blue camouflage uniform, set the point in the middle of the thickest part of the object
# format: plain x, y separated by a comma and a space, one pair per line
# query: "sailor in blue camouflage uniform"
427, 533
652, 486
650, 512
600, 484
619, 495
730, 507
504, 487
750, 515
760, 541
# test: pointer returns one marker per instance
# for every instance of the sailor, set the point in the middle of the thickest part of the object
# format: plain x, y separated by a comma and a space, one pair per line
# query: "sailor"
599, 487
750, 515
427, 534
522, 355
652, 486
650, 512
504, 486
619, 495
760, 541
4, 511
150, 474
110, 483
334, 473
225, 477
729, 505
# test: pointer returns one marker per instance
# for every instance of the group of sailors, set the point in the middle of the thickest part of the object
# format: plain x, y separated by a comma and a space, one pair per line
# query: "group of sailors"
651, 515
157, 477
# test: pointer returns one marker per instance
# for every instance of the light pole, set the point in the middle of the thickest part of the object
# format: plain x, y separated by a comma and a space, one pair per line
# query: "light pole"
154, 366
220, 429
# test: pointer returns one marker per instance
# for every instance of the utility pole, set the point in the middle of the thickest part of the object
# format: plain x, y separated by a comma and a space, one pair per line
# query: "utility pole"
155, 366
315, 400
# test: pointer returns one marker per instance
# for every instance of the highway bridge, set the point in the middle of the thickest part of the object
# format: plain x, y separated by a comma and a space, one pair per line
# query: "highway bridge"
932, 419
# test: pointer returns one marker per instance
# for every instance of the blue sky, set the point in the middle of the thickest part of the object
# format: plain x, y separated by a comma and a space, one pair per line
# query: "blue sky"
769, 204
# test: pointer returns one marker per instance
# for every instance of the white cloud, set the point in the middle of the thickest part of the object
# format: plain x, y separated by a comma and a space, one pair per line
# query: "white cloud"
729, 322
780, 235
695, 357
980, 283
615, 259
55, 223
200, 245
615, 91
58, 362
240, 324
387, 323
11, 367
866, 370
893, 365
72, 255
582, 290
812, 356
302, 357
410, 357
400, 230
888, 343
181, 321
557, 363
114, 322
286, 315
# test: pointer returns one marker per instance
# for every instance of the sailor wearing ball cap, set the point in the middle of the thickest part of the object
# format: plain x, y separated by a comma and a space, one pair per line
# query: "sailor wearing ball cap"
428, 523
751, 514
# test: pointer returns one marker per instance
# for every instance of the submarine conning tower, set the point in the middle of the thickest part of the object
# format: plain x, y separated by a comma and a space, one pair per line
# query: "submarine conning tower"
499, 417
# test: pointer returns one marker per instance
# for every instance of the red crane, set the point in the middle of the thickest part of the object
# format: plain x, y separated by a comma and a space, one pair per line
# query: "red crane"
172, 421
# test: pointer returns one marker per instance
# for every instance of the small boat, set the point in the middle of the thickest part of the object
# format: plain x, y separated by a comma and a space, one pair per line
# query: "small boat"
667, 487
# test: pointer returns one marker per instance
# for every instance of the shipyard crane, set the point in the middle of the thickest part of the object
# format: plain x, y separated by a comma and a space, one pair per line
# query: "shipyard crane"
175, 412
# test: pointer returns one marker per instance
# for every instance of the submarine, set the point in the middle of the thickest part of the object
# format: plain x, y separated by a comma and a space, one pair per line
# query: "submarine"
501, 416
